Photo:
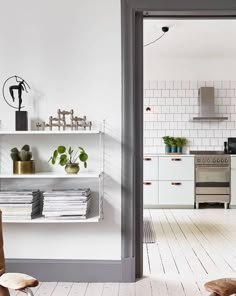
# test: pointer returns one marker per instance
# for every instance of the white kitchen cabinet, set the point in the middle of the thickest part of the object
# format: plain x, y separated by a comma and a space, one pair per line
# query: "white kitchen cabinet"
233, 182
176, 168
150, 184
150, 168
168, 181
176, 193
150, 192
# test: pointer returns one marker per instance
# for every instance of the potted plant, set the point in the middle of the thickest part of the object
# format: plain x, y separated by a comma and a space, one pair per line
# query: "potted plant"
166, 140
180, 142
22, 163
69, 159
173, 145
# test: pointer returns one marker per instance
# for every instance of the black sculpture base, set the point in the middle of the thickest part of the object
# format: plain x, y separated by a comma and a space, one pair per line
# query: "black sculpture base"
21, 120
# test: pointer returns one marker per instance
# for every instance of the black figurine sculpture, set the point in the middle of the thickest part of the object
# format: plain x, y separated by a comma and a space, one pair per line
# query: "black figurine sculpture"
18, 85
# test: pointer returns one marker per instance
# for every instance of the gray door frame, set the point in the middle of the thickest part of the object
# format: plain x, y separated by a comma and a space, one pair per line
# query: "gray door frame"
132, 110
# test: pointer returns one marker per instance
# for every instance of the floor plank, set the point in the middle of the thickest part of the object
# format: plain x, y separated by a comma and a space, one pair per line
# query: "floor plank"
78, 289
62, 289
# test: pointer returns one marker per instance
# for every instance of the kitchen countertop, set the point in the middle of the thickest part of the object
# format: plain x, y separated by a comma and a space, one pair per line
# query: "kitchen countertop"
178, 155
170, 155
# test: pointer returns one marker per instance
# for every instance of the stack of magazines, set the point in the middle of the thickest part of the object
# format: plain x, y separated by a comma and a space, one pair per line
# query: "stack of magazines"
21, 204
67, 204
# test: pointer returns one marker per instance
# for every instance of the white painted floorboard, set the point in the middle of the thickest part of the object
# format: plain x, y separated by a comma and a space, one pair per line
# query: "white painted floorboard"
193, 246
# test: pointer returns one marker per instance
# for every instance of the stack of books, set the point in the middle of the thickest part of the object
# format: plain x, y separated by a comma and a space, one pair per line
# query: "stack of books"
67, 204
21, 204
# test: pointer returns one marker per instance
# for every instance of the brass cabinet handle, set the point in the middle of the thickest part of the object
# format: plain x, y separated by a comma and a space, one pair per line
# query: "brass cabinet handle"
147, 158
176, 159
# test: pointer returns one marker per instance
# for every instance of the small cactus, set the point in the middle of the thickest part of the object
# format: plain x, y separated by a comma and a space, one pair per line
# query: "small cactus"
23, 155
26, 148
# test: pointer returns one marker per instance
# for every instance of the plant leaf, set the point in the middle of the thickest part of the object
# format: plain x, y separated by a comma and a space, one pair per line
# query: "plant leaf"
61, 149
55, 154
63, 161
85, 164
70, 151
63, 156
53, 160
82, 149
83, 156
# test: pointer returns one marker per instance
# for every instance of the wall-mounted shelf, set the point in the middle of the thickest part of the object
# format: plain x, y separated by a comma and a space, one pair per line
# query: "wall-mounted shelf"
42, 220
68, 132
97, 214
52, 175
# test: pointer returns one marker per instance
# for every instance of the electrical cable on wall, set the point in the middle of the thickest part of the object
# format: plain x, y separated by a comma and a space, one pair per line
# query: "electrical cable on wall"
164, 30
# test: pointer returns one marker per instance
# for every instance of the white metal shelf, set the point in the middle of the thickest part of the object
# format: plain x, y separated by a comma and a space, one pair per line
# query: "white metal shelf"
68, 132
42, 220
52, 175
92, 217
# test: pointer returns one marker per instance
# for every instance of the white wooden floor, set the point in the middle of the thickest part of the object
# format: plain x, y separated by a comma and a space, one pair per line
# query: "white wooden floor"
193, 246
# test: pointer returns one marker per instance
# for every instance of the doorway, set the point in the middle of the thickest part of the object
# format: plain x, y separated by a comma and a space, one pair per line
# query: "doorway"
132, 52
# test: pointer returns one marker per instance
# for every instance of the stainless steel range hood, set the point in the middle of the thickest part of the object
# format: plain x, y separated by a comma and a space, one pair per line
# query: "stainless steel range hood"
207, 105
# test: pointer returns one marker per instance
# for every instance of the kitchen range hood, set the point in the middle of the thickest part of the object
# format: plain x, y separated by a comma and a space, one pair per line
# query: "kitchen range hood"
207, 105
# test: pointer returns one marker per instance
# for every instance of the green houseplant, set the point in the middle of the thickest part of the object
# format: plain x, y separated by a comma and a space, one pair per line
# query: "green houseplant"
22, 163
69, 158
173, 145
180, 142
166, 140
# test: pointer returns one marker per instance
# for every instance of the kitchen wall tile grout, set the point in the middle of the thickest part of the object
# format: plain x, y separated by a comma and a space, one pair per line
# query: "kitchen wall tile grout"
174, 103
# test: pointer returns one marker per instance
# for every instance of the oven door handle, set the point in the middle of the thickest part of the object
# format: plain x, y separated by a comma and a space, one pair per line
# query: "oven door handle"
214, 167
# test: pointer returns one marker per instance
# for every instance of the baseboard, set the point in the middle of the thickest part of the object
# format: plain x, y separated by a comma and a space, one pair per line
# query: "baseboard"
168, 206
75, 270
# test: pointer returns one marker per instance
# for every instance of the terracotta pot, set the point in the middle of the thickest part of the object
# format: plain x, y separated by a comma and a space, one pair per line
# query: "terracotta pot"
24, 167
72, 168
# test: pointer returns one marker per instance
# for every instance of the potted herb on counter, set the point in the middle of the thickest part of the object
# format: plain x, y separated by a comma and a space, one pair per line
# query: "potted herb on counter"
22, 163
173, 145
166, 140
69, 159
180, 142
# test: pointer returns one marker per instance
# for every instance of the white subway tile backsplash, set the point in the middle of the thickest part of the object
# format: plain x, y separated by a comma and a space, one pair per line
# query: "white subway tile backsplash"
177, 84
193, 84
218, 84
174, 103
185, 84
201, 84
161, 85
169, 84
153, 85
149, 93
210, 83
181, 93
173, 93
165, 93
225, 84
157, 93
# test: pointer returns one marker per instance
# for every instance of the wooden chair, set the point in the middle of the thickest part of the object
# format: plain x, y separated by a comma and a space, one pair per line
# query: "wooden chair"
16, 281
221, 287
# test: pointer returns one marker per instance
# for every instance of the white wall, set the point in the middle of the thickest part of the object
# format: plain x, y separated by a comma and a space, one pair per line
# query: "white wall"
192, 69
69, 53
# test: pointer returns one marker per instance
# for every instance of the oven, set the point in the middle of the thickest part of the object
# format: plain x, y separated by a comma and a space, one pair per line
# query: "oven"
212, 179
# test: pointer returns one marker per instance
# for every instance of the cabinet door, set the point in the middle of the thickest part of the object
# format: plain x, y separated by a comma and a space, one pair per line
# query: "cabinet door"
150, 168
150, 193
233, 181
176, 168
176, 193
